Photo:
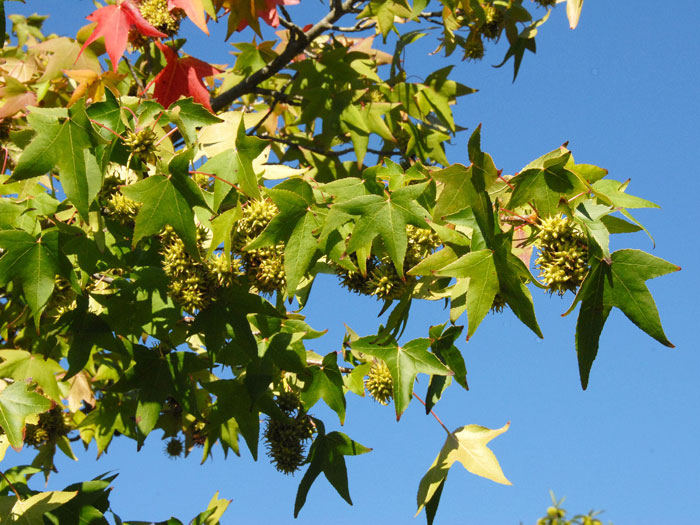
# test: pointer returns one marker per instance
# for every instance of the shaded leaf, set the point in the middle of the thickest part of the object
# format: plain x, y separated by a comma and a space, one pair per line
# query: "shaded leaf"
17, 403
404, 363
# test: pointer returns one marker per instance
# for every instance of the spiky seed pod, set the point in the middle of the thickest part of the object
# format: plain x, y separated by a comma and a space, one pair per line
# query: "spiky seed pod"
385, 282
224, 273
141, 144
51, 426
499, 303
379, 382
122, 208
201, 180
265, 268
257, 214
191, 284
474, 48
421, 243
288, 402
493, 23
174, 448
563, 258
286, 438
157, 14
354, 280
63, 297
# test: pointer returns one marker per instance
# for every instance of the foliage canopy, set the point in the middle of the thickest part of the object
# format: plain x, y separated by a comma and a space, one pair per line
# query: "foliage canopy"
163, 220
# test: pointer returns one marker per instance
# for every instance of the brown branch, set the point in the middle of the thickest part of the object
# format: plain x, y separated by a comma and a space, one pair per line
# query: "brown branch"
328, 153
19, 498
318, 362
295, 46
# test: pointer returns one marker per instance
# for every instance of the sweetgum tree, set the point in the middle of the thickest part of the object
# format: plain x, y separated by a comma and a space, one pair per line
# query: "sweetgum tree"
163, 220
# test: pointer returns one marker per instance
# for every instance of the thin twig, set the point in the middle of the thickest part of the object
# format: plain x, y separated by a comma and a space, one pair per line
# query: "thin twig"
433, 413
9, 483
318, 362
329, 153
139, 84
294, 47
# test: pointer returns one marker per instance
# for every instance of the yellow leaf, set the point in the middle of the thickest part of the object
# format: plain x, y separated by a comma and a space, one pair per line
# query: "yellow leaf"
573, 12
468, 446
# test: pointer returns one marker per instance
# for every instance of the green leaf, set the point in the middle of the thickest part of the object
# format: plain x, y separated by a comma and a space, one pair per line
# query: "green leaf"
327, 455
215, 510
546, 186
386, 217
188, 115
615, 191
619, 282
63, 142
327, 383
233, 401
163, 205
30, 511
295, 226
479, 267
21, 365
404, 363
33, 261
17, 403
468, 446
88, 507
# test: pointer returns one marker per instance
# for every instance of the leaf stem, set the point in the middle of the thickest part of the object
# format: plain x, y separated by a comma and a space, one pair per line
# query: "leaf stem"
432, 412
214, 176
9, 483
107, 128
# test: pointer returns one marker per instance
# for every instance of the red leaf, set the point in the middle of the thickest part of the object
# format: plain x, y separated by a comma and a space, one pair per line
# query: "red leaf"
182, 77
194, 11
114, 23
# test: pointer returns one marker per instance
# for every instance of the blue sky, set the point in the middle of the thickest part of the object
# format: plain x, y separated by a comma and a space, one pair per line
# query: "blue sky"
623, 90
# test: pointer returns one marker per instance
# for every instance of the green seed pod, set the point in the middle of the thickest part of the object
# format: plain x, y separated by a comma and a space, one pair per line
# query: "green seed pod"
379, 383
157, 14
174, 448
474, 48
493, 23
141, 144
563, 257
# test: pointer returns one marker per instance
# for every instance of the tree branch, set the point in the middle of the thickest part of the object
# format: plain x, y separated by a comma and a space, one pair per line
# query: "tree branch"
294, 47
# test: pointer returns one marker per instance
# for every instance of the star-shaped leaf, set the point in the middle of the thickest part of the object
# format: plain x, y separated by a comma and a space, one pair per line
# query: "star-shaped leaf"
468, 446
21, 365
235, 166
546, 185
327, 455
194, 11
31, 510
327, 383
34, 262
17, 402
386, 216
182, 77
63, 140
188, 115
404, 362
295, 226
479, 267
618, 282
167, 201
114, 23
